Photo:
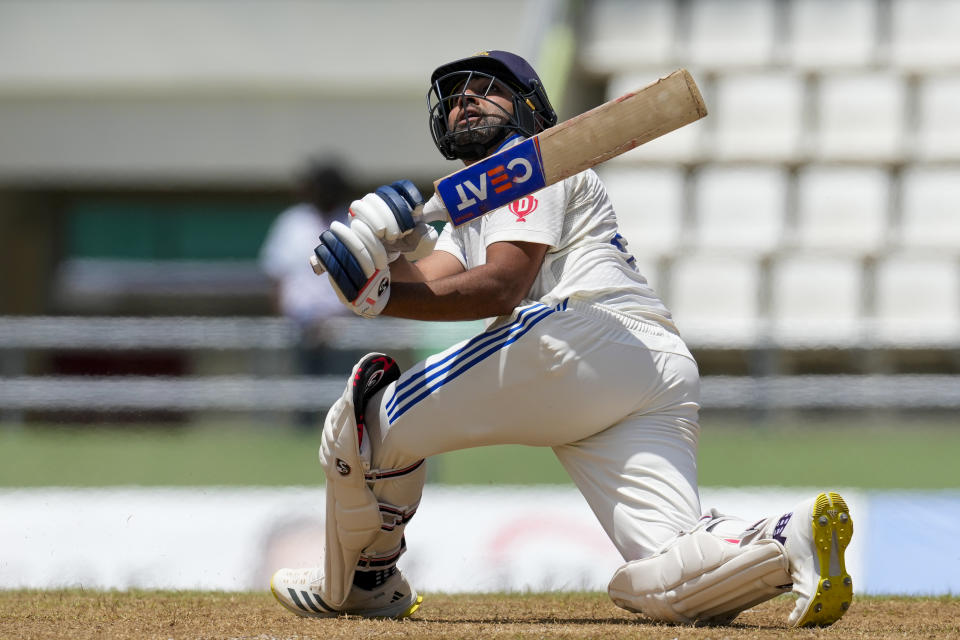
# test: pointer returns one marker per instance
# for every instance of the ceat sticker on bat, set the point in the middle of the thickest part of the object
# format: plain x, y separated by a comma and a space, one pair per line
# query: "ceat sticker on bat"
493, 182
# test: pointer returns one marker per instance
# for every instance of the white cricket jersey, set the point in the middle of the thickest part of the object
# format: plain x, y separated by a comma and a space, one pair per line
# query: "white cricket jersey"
292, 236
587, 260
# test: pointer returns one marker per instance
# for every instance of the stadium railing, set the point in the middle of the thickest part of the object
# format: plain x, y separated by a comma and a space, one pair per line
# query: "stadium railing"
244, 391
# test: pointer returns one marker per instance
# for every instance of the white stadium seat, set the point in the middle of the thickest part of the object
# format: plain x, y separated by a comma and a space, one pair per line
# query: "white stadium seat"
729, 33
832, 33
930, 214
917, 299
816, 299
938, 135
757, 116
623, 34
842, 208
860, 117
740, 208
680, 146
714, 298
649, 205
924, 34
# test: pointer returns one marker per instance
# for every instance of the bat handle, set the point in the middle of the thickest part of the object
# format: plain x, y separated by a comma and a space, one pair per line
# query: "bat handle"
316, 265
433, 211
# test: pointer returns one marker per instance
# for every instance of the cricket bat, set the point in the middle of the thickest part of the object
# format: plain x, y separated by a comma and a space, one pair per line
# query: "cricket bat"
564, 150
567, 148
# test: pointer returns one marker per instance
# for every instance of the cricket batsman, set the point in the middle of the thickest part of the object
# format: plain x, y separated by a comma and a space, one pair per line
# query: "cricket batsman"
579, 355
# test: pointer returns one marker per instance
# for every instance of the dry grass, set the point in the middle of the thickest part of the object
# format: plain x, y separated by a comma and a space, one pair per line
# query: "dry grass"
83, 614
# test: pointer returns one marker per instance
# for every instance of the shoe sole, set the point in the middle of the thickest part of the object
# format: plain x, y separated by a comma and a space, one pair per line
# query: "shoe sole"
413, 608
387, 614
406, 613
832, 530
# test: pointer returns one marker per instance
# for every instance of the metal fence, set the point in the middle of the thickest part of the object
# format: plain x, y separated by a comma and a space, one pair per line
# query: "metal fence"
246, 392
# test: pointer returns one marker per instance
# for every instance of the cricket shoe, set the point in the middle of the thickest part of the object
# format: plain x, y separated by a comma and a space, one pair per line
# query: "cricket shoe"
815, 536
301, 591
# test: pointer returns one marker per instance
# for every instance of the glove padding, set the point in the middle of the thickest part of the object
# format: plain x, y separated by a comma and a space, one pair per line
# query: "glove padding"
390, 211
415, 245
356, 264
393, 212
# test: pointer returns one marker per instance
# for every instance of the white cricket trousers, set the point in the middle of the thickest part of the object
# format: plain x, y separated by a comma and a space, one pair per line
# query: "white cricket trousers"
616, 398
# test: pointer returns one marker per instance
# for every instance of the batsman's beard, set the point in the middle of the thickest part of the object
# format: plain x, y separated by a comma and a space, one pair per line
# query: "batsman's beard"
481, 132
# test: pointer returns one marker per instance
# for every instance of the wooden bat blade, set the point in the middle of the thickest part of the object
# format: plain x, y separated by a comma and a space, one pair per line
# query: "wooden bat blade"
568, 148
620, 125
564, 150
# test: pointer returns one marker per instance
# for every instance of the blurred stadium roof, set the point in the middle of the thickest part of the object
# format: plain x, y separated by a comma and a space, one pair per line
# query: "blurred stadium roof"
177, 92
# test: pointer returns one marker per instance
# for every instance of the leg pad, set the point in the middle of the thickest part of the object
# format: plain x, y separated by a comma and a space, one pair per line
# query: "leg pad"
362, 531
702, 578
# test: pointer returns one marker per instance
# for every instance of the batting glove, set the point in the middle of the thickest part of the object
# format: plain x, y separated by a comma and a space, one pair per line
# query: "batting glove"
356, 265
393, 213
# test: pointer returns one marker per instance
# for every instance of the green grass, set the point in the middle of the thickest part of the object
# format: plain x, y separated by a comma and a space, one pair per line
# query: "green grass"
908, 457
84, 457
919, 456
886, 457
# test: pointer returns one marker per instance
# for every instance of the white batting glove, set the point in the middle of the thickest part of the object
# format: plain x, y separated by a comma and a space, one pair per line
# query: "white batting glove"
391, 211
418, 243
356, 264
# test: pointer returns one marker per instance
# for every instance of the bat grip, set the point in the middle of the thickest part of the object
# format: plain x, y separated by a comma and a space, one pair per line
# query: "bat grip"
433, 211
316, 265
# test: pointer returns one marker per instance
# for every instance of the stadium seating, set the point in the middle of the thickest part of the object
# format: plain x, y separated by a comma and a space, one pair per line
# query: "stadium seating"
844, 209
917, 299
825, 180
739, 209
816, 300
622, 34
930, 215
650, 207
924, 35
757, 116
938, 131
832, 34
816, 207
727, 34
715, 298
861, 117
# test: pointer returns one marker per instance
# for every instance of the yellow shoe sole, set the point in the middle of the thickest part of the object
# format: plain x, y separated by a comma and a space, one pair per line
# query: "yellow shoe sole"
412, 610
832, 530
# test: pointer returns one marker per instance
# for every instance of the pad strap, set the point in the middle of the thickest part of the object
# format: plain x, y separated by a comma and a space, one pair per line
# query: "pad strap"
370, 580
375, 475
394, 517
369, 561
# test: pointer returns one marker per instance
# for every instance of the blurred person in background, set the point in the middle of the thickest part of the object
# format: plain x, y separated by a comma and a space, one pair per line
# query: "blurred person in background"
322, 192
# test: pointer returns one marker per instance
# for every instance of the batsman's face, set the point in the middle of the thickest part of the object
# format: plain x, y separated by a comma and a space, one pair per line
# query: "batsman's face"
478, 109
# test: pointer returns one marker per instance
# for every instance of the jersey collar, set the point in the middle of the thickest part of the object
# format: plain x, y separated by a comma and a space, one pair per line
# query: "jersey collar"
512, 140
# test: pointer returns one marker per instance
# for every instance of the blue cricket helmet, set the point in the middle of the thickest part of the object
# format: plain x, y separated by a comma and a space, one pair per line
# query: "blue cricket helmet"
532, 109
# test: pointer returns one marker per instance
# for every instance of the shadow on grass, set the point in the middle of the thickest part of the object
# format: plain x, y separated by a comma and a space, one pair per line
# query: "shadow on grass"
618, 622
